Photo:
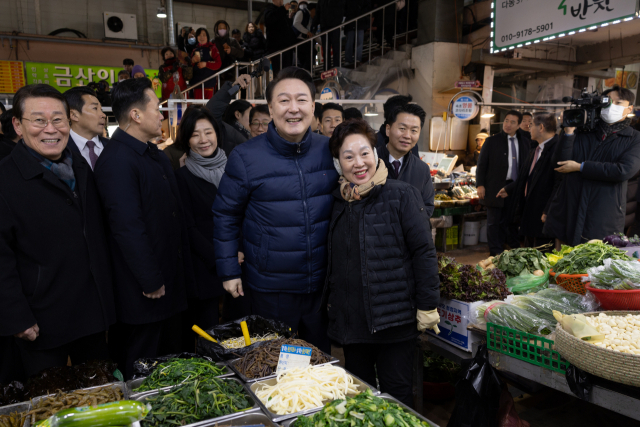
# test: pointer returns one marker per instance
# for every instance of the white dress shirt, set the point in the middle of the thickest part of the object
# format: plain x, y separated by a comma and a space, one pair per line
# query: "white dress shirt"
510, 155
393, 159
81, 142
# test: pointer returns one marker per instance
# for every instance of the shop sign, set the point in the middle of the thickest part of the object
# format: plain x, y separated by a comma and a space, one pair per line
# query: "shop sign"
517, 23
465, 108
454, 319
65, 76
293, 356
467, 84
11, 76
331, 73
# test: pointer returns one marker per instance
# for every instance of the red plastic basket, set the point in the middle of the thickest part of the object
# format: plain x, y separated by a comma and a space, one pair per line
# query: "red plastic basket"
570, 282
616, 300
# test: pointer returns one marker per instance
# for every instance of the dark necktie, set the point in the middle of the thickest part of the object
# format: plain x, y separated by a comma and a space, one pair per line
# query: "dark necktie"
396, 166
533, 165
93, 157
514, 159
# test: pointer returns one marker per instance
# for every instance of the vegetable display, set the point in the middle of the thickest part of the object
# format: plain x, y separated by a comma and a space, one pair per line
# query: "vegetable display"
466, 283
301, 389
513, 317
621, 333
364, 410
619, 240
439, 369
543, 305
556, 255
588, 255
239, 342
521, 261
195, 401
263, 361
108, 414
176, 371
615, 275
51, 405
15, 419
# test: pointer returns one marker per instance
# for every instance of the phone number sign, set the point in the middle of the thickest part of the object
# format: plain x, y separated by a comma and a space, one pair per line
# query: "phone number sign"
465, 108
518, 23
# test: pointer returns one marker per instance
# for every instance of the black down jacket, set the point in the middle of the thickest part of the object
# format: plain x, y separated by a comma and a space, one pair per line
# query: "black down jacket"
591, 204
255, 44
398, 263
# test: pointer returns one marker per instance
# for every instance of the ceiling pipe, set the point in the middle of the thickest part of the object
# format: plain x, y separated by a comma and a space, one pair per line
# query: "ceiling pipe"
170, 24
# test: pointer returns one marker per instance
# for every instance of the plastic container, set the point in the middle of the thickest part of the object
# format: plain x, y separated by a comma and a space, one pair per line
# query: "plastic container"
482, 238
570, 282
471, 233
616, 299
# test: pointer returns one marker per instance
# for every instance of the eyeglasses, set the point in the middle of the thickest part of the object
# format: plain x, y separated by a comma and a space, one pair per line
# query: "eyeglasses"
257, 124
58, 123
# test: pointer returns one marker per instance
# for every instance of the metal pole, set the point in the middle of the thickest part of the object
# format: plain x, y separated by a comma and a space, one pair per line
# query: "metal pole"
296, 63
202, 90
172, 33
250, 11
395, 27
370, 34
406, 41
384, 15
340, 46
238, 93
355, 47
326, 52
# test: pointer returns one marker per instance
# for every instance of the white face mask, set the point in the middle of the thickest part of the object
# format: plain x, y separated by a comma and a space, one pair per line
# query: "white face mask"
613, 113
222, 32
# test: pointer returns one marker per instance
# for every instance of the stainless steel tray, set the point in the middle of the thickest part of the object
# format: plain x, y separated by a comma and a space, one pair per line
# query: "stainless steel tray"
230, 363
15, 407
255, 408
278, 418
134, 384
384, 396
249, 419
120, 385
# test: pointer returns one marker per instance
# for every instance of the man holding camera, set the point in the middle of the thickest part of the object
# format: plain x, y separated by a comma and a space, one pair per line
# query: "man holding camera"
590, 203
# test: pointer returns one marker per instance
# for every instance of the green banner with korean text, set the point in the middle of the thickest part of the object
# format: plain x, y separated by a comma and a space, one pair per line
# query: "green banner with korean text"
66, 76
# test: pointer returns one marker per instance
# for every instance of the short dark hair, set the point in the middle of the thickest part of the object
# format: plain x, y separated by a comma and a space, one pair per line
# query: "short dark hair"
165, 50
332, 106
351, 127
229, 115
3, 109
291, 73
317, 112
35, 91
127, 61
526, 113
235, 31
260, 108
6, 123
123, 72
547, 120
516, 113
623, 93
188, 125
394, 102
352, 113
129, 94
74, 97
413, 109
200, 30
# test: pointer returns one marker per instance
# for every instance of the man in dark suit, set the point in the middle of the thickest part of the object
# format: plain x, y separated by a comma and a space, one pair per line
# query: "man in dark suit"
390, 105
56, 292
498, 165
8, 138
87, 123
403, 130
148, 235
537, 182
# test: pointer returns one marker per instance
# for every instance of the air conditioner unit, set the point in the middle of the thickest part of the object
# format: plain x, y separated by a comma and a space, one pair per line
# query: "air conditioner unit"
121, 26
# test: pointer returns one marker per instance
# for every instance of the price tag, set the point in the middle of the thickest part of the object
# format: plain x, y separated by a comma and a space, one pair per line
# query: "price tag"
293, 356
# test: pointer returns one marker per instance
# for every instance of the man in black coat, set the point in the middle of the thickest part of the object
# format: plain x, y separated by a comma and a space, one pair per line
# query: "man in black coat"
403, 130
390, 105
87, 123
330, 14
537, 182
148, 234
591, 201
56, 290
498, 165
279, 34
8, 138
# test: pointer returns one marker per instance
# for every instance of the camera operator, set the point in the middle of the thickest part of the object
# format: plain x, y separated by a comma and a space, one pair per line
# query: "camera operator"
590, 203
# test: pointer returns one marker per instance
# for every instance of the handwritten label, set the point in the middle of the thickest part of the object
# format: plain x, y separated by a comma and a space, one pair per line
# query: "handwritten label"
293, 356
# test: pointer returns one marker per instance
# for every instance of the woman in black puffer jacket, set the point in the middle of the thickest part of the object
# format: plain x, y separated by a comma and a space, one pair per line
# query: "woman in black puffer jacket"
253, 42
382, 274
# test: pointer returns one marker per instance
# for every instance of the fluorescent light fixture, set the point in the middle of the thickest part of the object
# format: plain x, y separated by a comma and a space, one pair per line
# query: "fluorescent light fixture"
561, 35
503, 49
488, 113
491, 24
491, 5
527, 43
491, 15
617, 21
582, 30
606, 24
491, 33
593, 27
552, 37
162, 12
520, 45
491, 50
545, 39
629, 18
370, 112
571, 33
536, 41
512, 47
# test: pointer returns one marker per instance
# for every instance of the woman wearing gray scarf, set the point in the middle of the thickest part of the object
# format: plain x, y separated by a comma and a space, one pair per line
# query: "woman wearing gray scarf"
198, 182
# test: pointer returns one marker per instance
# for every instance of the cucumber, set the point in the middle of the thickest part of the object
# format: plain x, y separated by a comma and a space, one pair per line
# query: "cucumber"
120, 413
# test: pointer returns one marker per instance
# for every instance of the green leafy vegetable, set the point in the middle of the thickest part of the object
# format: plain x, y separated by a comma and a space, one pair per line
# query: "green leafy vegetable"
521, 261
513, 317
176, 371
466, 283
363, 410
439, 369
588, 255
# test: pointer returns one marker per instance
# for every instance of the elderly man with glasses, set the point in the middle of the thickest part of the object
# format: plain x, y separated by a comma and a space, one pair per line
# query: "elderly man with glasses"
56, 295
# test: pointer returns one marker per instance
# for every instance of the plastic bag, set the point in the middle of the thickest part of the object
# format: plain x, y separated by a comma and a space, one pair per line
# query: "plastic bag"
528, 283
144, 367
615, 275
542, 304
576, 325
507, 415
257, 325
504, 314
579, 382
477, 394
585, 303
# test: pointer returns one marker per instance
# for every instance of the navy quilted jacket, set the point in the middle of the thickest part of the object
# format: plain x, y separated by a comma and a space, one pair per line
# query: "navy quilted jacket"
277, 195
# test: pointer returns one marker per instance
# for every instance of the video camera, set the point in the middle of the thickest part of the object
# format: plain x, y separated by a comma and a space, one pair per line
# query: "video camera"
587, 113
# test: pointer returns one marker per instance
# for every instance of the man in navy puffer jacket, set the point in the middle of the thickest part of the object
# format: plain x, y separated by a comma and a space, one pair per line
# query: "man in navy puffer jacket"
277, 193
